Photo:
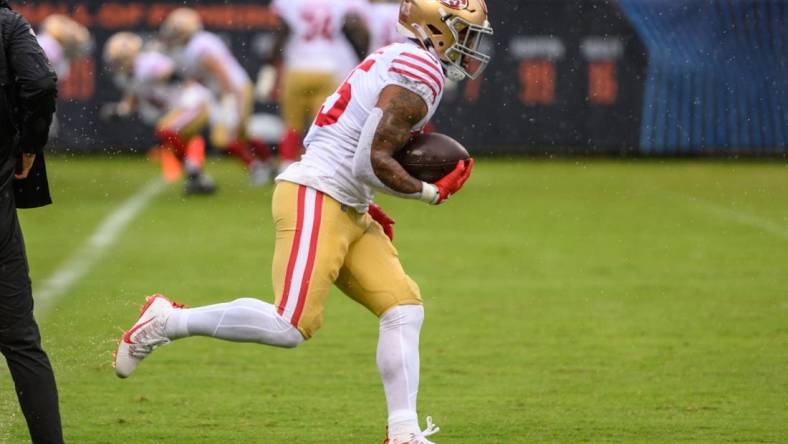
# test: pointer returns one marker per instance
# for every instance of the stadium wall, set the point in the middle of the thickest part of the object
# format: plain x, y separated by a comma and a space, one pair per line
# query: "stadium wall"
652, 77
717, 75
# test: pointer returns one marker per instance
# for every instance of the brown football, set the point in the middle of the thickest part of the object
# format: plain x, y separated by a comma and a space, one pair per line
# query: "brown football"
429, 157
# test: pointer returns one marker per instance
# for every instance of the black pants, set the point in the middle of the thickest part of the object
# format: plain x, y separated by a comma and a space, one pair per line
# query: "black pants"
20, 341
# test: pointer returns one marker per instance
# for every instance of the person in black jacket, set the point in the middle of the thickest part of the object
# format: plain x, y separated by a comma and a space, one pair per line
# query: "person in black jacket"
28, 88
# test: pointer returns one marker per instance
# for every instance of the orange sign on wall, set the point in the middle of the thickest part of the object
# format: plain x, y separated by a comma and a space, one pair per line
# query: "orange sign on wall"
121, 15
602, 83
537, 79
80, 84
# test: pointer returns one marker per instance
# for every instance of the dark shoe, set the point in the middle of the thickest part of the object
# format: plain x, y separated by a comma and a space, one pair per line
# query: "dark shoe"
199, 184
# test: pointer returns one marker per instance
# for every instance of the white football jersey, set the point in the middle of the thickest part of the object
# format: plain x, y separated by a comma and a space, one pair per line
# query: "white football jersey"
206, 44
316, 40
151, 84
333, 138
54, 52
383, 19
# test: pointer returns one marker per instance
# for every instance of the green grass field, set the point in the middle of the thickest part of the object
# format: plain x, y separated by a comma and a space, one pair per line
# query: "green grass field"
567, 301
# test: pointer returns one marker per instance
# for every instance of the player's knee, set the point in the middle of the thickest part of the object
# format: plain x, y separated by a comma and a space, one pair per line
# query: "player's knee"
402, 316
170, 137
165, 134
272, 329
291, 336
404, 293
292, 339
223, 137
309, 325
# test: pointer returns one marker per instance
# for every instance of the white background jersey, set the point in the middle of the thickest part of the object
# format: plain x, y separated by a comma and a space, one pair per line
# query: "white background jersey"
333, 138
203, 45
54, 52
151, 85
316, 41
383, 19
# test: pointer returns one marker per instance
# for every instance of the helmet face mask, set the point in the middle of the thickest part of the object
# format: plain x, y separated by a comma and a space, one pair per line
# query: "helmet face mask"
453, 30
464, 58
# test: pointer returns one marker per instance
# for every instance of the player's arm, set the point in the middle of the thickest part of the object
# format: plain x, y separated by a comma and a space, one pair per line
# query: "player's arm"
386, 131
401, 111
231, 98
281, 36
121, 109
267, 77
281, 33
357, 33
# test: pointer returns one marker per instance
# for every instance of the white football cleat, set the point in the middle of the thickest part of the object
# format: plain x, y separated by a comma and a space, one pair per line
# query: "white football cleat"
413, 438
145, 335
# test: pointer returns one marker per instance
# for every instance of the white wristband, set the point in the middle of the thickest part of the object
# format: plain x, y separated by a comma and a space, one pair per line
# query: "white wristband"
429, 193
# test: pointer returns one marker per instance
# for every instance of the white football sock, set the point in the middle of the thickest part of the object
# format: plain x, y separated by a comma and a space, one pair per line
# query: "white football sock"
243, 320
398, 361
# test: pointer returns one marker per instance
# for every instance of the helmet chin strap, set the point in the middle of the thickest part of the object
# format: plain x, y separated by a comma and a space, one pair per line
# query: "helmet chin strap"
454, 73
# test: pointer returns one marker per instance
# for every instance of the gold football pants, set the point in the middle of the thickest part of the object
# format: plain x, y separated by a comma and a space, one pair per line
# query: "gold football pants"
186, 122
320, 242
228, 130
303, 92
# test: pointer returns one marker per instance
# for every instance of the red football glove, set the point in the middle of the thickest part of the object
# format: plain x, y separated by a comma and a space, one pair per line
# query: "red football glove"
383, 219
449, 184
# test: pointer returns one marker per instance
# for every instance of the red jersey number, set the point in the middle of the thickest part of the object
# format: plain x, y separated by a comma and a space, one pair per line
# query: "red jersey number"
340, 99
318, 24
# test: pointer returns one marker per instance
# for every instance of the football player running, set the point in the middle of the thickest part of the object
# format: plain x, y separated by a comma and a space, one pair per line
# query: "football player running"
179, 111
327, 229
311, 47
204, 57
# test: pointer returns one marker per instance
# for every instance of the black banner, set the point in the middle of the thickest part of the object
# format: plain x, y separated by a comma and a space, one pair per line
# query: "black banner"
565, 75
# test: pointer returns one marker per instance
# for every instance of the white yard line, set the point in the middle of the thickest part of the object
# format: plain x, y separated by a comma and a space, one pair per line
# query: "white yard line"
77, 266
89, 253
738, 216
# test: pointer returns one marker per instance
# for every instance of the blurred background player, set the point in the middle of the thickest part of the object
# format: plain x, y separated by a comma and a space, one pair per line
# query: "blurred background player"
383, 16
204, 57
179, 111
63, 41
312, 50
